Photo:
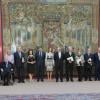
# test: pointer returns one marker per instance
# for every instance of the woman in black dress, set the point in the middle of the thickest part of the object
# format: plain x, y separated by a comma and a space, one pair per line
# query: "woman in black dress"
30, 64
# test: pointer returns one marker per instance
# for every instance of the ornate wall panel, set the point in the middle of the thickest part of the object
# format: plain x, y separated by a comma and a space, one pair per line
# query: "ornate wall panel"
50, 23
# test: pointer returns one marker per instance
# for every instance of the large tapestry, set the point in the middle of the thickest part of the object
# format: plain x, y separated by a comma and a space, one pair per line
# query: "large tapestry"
78, 27
24, 29
45, 24
52, 34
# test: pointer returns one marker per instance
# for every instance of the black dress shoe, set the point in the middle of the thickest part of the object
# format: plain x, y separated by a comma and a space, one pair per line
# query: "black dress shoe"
79, 80
19, 81
61, 80
23, 81
72, 80
42, 80
95, 79
56, 80
38, 80
5, 84
13, 81
67, 80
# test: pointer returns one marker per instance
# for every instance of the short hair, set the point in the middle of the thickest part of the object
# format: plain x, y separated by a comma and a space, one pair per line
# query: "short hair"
70, 47
19, 47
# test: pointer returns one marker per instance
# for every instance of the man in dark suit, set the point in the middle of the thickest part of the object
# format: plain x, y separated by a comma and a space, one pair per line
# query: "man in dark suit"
97, 64
70, 60
88, 64
19, 60
40, 64
6, 70
59, 58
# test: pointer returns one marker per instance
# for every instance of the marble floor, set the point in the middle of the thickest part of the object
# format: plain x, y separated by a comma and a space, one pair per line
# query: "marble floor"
51, 87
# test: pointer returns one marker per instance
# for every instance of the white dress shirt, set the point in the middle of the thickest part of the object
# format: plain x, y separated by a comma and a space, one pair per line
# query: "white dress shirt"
70, 53
59, 54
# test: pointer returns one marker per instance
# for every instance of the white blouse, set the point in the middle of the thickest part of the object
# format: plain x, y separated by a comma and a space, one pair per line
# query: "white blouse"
9, 58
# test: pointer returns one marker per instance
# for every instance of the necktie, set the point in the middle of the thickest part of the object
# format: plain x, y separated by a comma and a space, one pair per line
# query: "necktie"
6, 65
39, 53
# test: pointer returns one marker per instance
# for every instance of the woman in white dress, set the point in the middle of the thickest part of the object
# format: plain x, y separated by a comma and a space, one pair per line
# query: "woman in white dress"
79, 63
49, 62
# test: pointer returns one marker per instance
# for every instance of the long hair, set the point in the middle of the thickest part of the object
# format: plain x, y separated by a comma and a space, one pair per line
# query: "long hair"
29, 51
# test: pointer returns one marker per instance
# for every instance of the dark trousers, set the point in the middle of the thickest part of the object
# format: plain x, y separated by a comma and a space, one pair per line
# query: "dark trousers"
40, 72
20, 73
97, 73
1, 77
69, 72
80, 72
13, 76
6, 78
59, 73
88, 72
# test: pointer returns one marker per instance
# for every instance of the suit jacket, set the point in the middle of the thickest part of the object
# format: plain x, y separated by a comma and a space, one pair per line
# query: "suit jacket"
40, 59
58, 61
86, 57
6, 68
18, 60
67, 55
96, 60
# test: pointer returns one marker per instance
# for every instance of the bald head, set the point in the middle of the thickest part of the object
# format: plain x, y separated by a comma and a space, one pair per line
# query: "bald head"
70, 49
89, 50
9, 52
59, 49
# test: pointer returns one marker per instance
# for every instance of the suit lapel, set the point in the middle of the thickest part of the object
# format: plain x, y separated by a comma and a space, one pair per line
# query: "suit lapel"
98, 57
19, 55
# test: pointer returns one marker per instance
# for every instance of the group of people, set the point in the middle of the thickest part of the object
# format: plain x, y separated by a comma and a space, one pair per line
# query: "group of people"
51, 61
